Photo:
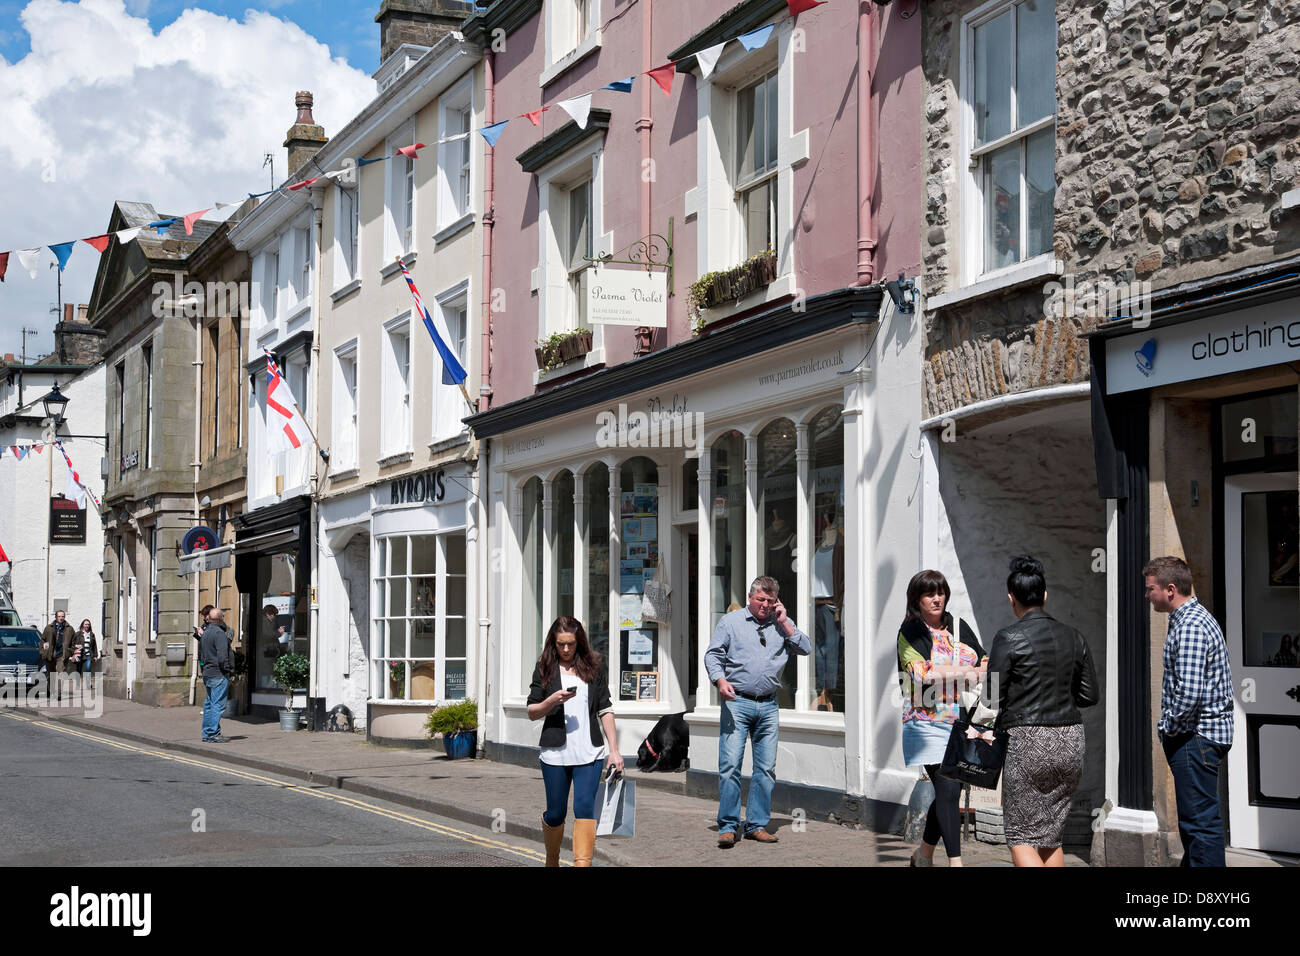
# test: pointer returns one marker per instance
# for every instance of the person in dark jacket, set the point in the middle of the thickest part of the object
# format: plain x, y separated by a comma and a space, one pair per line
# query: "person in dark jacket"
80, 649
1040, 673
218, 665
52, 638
570, 691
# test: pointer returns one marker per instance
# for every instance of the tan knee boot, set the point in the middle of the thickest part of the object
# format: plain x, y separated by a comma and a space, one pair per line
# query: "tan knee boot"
554, 838
584, 841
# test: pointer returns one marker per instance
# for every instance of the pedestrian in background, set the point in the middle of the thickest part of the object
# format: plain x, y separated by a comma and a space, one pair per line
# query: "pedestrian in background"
52, 639
1040, 673
745, 661
218, 665
934, 665
569, 690
80, 649
1195, 708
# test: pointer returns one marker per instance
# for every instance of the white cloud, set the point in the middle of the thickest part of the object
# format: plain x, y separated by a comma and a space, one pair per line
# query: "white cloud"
102, 108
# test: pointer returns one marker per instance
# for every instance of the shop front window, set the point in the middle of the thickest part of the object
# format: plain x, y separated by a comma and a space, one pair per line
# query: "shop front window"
728, 589
532, 541
778, 539
596, 547
282, 623
826, 504
562, 494
639, 638
420, 627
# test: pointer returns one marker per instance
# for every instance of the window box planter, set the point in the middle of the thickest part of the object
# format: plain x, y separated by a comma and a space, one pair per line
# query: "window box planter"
562, 347
718, 288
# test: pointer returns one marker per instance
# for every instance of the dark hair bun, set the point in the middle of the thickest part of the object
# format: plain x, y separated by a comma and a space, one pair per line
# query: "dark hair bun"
1024, 564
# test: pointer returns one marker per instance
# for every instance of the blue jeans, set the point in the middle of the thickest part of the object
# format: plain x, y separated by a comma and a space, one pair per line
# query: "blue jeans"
585, 778
213, 705
760, 722
1194, 761
827, 650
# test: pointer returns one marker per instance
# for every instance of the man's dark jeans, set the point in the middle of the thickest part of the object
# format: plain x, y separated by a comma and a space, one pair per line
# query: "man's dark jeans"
1194, 761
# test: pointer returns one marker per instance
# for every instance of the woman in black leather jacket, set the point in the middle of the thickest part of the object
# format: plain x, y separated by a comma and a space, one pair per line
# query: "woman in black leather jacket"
1040, 673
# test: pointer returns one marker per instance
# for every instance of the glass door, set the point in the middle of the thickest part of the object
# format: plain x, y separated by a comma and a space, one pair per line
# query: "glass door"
1262, 577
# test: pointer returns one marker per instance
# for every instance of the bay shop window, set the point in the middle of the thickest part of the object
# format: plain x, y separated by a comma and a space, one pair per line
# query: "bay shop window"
767, 500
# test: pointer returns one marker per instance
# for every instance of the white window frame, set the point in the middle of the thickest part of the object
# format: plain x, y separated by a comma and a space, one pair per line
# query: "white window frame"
456, 157
743, 185
448, 404
347, 235
400, 202
970, 157
395, 411
714, 201
558, 308
564, 45
345, 406
147, 375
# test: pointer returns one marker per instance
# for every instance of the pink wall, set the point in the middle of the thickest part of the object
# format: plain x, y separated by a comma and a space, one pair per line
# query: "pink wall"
825, 188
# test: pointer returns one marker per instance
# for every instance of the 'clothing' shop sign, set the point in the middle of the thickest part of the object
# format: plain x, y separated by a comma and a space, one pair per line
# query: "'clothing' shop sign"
1235, 342
426, 486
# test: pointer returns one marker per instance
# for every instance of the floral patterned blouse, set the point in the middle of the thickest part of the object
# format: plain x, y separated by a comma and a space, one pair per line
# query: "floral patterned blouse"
919, 691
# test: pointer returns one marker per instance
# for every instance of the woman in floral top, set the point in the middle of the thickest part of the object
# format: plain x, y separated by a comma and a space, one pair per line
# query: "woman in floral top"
934, 667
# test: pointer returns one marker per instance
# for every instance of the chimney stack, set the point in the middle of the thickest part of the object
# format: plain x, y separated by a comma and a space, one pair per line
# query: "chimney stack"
419, 22
304, 137
75, 342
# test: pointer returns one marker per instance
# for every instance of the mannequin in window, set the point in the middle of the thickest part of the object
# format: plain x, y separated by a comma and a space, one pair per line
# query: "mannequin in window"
828, 600
779, 565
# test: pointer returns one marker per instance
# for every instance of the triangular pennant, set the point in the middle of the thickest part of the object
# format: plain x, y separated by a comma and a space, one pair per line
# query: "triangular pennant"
708, 59
162, 225
535, 117
126, 235
663, 75
30, 258
99, 243
412, 151
799, 6
578, 107
755, 39
63, 252
191, 219
302, 182
4, 264
17, 452
367, 162
223, 211
72, 489
620, 86
38, 448
4, 557
493, 133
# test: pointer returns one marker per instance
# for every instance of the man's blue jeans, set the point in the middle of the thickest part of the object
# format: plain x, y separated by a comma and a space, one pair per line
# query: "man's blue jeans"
1194, 761
746, 719
213, 705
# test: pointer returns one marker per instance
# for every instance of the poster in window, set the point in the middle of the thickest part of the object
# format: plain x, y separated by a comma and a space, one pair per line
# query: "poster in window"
628, 504
631, 577
637, 551
646, 499
640, 647
455, 689
649, 529
631, 529
1283, 539
647, 687
629, 610
627, 685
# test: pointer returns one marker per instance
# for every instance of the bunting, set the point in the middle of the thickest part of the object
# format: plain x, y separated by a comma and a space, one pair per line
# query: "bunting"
4, 557
663, 75
63, 252
4, 264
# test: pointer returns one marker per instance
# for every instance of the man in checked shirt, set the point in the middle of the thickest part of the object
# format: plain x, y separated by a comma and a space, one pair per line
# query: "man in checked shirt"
1195, 708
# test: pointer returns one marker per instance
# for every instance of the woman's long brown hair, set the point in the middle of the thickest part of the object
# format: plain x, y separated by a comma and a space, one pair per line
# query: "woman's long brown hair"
585, 661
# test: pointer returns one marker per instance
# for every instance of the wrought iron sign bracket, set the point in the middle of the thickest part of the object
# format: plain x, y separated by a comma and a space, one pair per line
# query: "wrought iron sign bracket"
648, 252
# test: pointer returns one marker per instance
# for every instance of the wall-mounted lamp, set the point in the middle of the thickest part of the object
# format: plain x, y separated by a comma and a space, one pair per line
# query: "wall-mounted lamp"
903, 291
55, 402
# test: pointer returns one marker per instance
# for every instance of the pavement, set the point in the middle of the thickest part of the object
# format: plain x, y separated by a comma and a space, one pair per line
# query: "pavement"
672, 829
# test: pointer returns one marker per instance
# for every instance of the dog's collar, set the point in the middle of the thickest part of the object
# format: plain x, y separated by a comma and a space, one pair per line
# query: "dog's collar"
651, 749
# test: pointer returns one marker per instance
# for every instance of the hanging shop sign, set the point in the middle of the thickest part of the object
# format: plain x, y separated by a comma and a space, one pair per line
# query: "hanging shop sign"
67, 522
200, 538
632, 297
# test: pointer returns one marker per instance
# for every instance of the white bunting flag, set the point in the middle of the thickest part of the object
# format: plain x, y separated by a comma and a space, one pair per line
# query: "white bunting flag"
30, 258
578, 107
126, 235
708, 59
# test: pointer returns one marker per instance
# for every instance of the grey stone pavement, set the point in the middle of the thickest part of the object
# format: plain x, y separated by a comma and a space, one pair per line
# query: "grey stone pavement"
672, 829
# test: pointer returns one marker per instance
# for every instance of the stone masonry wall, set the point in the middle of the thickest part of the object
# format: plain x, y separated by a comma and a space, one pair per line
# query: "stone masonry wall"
1178, 130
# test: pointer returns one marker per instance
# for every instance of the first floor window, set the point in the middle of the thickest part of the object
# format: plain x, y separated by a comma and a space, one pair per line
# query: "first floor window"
397, 388
345, 407
579, 247
756, 164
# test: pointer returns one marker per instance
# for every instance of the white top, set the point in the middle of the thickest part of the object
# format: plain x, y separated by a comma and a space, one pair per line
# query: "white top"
577, 749
823, 572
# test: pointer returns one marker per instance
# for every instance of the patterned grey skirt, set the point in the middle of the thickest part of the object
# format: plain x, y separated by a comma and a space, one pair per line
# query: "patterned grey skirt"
1042, 771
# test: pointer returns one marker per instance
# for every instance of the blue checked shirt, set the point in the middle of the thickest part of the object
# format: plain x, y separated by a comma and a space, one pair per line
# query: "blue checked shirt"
1196, 696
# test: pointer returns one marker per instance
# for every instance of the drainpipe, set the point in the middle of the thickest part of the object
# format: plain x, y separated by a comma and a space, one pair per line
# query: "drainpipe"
313, 680
489, 220
479, 481
644, 125
198, 418
866, 142
483, 538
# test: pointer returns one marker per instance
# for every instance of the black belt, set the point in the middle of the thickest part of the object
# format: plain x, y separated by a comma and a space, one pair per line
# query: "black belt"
757, 700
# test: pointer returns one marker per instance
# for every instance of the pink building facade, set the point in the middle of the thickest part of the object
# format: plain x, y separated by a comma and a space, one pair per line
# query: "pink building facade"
748, 404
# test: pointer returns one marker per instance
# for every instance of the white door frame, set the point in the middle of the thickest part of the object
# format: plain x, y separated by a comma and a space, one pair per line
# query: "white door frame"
129, 614
1257, 691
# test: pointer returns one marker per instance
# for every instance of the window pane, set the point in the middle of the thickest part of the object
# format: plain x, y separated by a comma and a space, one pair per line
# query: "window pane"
456, 595
1272, 434
1002, 207
398, 556
579, 224
396, 639
759, 216
423, 642
455, 637
1040, 182
1035, 61
423, 597
777, 482
562, 512
746, 133
691, 483
382, 558
424, 554
993, 79
639, 541
596, 528
826, 434
770, 130
455, 554
397, 597
530, 546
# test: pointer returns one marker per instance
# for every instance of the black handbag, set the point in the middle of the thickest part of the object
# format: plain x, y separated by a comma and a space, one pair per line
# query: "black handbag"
974, 757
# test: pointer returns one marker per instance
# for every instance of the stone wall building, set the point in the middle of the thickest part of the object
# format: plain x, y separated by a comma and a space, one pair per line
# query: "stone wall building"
1087, 166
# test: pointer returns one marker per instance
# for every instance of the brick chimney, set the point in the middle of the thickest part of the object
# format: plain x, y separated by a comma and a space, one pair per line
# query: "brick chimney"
76, 342
421, 22
304, 137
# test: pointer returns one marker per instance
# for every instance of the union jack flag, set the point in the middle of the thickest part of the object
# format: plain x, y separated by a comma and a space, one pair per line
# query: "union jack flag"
453, 373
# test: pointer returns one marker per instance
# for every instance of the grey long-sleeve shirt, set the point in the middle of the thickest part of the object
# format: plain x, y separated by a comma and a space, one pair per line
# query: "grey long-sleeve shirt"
737, 654
214, 651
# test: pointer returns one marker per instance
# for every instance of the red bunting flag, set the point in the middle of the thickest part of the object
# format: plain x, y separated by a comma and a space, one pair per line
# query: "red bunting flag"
301, 183
98, 243
411, 152
535, 117
4, 557
799, 6
38, 448
191, 219
4, 264
663, 75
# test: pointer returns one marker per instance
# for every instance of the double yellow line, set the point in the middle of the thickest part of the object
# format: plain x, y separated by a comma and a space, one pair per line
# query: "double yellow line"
533, 856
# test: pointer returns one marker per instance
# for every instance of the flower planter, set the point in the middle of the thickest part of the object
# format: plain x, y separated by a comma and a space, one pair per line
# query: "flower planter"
288, 719
720, 288
461, 746
556, 353
575, 346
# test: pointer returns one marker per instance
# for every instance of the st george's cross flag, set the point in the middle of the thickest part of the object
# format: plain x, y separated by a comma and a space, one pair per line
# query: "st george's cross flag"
453, 373
285, 428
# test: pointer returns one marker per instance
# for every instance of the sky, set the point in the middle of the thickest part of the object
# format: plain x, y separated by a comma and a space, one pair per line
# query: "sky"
162, 101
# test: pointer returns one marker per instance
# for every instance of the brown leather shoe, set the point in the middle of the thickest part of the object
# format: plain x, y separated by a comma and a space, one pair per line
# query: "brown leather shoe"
762, 836
726, 840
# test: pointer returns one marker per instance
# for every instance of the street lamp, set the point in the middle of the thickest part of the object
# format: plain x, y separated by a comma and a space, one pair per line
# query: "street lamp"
55, 402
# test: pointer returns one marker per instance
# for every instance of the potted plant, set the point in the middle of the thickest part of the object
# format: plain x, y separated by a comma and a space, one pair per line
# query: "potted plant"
396, 679
235, 694
290, 671
715, 288
561, 347
458, 724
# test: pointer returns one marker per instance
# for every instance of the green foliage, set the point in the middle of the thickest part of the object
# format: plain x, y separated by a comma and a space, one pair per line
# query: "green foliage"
551, 349
453, 718
290, 671
727, 285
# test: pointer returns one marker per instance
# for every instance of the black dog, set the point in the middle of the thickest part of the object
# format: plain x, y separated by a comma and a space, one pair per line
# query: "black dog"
666, 748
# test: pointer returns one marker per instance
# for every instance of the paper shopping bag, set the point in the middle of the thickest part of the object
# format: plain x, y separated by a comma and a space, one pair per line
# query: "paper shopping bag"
616, 803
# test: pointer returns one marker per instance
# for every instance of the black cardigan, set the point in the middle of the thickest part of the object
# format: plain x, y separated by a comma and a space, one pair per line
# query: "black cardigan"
553, 732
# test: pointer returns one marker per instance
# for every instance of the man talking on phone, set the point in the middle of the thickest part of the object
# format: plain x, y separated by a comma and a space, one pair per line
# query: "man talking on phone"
744, 661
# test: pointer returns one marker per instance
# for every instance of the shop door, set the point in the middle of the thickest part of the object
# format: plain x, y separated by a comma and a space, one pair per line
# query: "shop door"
1262, 577
129, 614
686, 611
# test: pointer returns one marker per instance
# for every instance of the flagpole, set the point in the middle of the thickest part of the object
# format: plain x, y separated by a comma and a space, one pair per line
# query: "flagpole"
460, 385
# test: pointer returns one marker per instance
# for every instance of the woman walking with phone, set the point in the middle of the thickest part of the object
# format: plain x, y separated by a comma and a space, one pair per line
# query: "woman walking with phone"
570, 692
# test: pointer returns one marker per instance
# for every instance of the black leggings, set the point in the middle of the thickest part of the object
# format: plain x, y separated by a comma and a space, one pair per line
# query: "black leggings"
943, 819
